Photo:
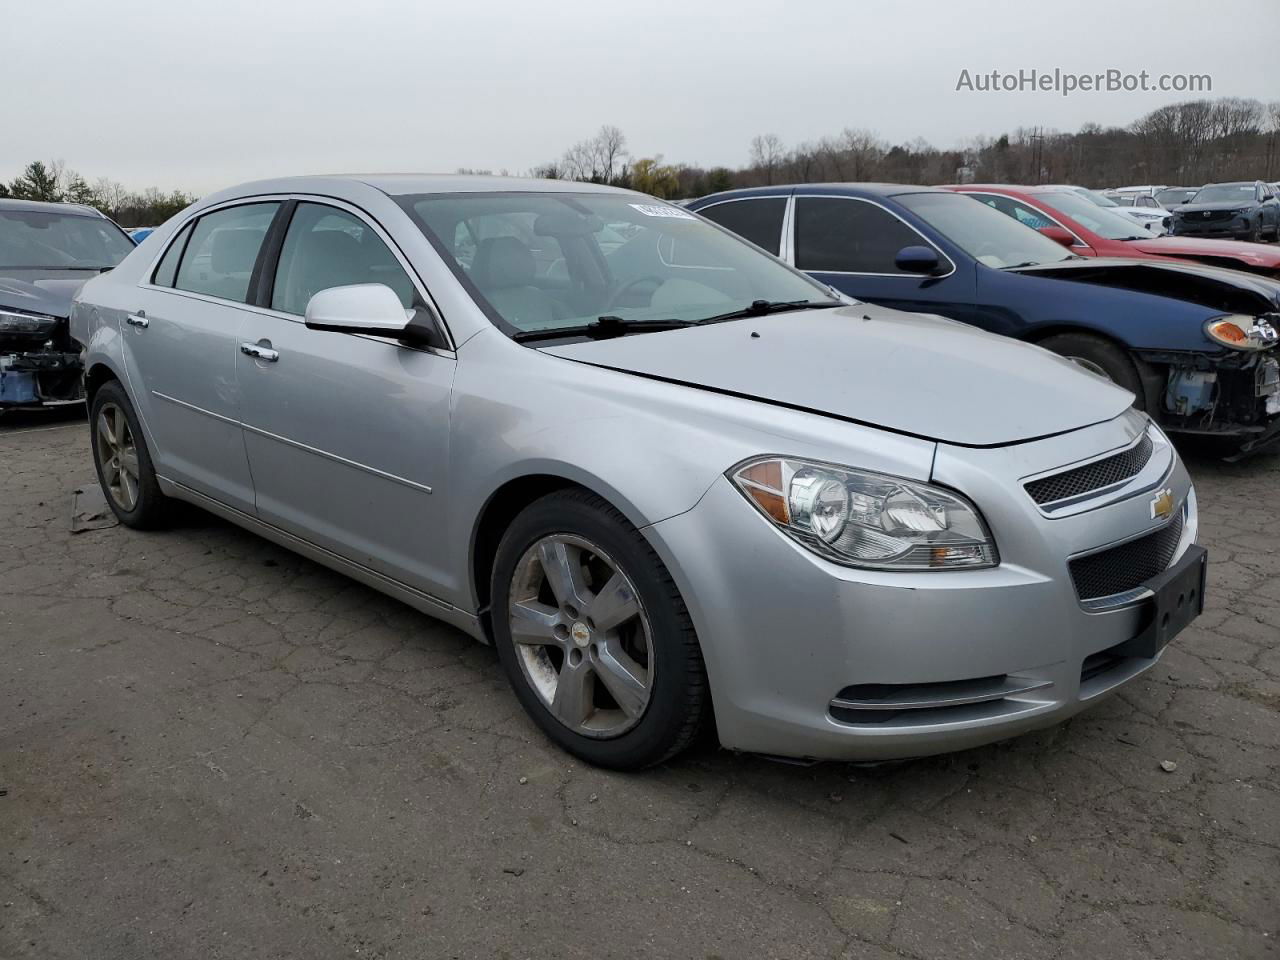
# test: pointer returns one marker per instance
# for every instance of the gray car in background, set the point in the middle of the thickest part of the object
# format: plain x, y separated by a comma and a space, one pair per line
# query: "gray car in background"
667, 476
47, 250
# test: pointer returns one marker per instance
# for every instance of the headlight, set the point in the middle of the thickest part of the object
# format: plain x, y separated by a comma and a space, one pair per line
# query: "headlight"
864, 519
1242, 333
31, 324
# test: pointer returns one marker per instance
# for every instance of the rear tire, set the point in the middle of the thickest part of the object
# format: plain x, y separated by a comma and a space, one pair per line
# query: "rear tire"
1101, 358
607, 662
123, 462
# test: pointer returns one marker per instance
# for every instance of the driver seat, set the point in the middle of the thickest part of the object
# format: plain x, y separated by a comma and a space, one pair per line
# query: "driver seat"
503, 270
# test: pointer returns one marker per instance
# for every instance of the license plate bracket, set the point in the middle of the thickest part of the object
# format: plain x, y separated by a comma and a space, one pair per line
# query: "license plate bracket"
1177, 599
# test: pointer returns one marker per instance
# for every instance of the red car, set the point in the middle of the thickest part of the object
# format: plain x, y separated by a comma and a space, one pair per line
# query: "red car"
1092, 231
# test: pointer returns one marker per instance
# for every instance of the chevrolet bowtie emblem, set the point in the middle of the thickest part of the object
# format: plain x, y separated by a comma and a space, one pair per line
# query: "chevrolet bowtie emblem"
1162, 505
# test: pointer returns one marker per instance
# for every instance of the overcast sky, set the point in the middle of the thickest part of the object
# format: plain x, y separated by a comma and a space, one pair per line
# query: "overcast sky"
201, 96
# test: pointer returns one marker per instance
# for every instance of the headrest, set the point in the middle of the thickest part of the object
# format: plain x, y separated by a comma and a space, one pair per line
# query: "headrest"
235, 248
502, 262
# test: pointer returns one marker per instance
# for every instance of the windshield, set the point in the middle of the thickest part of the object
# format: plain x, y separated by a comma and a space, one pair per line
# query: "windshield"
545, 261
30, 238
1171, 198
1225, 193
990, 237
1104, 223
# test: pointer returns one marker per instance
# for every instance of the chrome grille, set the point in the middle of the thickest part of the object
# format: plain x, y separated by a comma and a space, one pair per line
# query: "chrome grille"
1127, 566
1092, 476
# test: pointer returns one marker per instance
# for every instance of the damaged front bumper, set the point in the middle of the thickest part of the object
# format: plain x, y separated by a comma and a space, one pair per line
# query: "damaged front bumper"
1232, 395
39, 365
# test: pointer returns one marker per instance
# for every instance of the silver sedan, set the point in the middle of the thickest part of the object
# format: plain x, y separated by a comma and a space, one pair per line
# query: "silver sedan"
668, 477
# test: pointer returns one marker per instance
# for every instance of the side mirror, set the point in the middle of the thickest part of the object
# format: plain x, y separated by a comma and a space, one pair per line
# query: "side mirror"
1059, 235
917, 259
371, 308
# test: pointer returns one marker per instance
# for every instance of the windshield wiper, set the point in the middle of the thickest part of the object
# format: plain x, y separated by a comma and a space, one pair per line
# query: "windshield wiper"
602, 328
760, 308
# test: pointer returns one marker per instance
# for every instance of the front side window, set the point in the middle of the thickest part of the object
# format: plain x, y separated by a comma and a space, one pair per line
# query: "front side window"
219, 257
839, 235
62, 241
988, 236
759, 221
326, 247
1019, 211
544, 261
1105, 223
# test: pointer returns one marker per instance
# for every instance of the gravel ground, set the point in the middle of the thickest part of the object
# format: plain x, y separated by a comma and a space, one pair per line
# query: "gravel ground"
210, 747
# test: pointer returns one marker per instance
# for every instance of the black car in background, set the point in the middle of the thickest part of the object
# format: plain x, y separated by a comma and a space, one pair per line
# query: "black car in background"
1246, 210
47, 251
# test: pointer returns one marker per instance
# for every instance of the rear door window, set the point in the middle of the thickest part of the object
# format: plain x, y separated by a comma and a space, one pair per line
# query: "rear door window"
758, 220
223, 248
167, 270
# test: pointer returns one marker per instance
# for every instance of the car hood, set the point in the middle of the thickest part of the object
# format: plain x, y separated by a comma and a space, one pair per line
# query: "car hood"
1217, 289
920, 375
1258, 254
43, 294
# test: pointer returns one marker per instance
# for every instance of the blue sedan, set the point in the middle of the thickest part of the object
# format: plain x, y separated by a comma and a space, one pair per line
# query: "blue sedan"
1194, 344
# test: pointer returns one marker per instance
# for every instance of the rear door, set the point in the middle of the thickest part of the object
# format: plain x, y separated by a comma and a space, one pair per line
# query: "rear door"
348, 435
180, 344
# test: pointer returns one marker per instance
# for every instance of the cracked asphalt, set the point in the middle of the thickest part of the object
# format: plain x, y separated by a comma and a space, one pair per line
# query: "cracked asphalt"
210, 747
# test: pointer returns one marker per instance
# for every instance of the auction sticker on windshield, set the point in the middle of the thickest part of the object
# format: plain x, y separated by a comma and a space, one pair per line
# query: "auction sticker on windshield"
661, 210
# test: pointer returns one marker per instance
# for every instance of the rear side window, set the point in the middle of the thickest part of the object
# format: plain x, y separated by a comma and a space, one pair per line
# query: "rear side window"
222, 250
327, 247
759, 221
849, 236
167, 270
1020, 212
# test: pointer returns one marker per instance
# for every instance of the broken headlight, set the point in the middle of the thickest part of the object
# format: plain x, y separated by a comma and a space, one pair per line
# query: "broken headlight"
26, 324
1240, 332
864, 519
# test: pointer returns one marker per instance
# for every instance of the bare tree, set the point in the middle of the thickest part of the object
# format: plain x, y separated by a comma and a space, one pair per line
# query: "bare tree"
767, 153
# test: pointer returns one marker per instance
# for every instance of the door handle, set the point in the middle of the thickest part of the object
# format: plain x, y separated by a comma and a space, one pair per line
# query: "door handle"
259, 352
138, 319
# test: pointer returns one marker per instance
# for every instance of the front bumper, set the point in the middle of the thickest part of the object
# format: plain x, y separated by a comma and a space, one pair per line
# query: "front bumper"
1238, 228
790, 640
44, 377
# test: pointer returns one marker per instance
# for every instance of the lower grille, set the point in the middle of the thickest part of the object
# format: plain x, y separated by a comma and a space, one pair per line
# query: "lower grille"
1127, 566
1092, 476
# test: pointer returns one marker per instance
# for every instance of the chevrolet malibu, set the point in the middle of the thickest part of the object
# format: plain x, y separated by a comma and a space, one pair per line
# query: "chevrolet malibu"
669, 478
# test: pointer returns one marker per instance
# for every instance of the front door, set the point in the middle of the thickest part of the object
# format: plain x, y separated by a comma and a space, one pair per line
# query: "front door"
347, 435
180, 345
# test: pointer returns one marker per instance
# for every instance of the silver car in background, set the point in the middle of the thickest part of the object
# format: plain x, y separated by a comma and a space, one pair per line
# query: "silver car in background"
667, 476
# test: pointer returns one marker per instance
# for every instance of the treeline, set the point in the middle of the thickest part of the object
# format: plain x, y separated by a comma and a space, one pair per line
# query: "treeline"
54, 183
1185, 144
1190, 143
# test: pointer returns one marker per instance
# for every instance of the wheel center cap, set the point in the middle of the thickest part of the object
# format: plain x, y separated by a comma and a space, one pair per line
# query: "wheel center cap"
581, 633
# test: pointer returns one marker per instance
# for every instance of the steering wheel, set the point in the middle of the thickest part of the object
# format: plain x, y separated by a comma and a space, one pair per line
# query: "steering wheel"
626, 287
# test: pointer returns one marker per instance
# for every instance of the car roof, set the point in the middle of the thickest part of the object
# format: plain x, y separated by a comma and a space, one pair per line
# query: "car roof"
40, 206
408, 184
826, 189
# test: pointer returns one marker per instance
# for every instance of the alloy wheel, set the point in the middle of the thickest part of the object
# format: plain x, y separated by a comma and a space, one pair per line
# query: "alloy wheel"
118, 456
581, 636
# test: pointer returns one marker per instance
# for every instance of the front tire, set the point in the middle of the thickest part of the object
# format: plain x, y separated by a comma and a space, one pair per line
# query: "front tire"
1101, 358
594, 636
123, 462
